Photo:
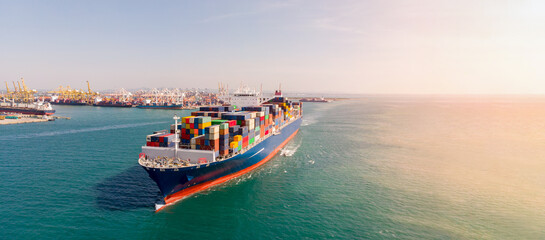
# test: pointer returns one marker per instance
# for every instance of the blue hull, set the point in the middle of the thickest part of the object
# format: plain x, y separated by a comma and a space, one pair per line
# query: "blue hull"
173, 181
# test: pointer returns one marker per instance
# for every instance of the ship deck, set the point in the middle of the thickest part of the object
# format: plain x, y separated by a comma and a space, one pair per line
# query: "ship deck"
177, 163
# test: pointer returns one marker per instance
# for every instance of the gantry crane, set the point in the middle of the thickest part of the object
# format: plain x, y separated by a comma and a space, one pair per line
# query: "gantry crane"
8, 92
20, 94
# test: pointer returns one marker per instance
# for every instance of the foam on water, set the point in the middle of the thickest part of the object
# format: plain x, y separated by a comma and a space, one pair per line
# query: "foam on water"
290, 148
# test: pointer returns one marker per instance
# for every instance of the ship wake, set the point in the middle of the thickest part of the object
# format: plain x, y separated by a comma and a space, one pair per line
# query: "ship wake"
290, 149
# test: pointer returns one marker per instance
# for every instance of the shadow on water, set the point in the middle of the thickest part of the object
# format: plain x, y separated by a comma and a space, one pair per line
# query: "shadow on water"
130, 189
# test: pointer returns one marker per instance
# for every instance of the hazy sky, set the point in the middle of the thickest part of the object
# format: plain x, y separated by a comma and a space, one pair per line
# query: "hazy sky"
413, 46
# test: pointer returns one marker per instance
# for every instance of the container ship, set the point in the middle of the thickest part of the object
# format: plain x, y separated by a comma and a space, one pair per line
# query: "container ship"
218, 143
68, 102
37, 108
113, 104
170, 106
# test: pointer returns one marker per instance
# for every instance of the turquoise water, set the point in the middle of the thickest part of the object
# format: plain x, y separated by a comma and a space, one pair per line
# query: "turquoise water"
379, 168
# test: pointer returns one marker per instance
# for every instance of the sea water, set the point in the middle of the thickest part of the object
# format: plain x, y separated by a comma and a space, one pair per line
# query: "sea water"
379, 167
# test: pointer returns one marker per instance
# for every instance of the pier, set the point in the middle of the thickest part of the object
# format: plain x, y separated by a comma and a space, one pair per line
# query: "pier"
28, 119
23, 120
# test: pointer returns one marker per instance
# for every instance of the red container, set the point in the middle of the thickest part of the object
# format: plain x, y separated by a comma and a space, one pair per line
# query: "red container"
215, 142
192, 125
232, 123
149, 144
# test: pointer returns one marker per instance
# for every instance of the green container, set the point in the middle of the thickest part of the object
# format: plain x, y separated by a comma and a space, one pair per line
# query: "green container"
224, 125
251, 141
217, 122
239, 148
267, 116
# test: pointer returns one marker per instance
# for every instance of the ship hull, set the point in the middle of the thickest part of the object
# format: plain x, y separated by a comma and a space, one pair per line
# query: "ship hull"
69, 103
27, 111
112, 105
171, 107
175, 184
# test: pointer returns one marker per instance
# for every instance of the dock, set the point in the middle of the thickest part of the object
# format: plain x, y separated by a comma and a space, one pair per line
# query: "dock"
22, 120
29, 119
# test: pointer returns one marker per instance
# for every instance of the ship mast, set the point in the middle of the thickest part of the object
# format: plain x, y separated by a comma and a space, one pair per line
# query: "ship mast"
176, 137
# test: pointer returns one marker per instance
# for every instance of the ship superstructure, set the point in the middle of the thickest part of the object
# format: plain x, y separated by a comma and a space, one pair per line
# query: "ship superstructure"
243, 96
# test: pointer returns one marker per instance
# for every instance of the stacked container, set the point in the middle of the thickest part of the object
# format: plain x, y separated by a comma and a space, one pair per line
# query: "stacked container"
160, 140
193, 126
207, 114
224, 139
212, 138
236, 144
219, 129
197, 142
217, 108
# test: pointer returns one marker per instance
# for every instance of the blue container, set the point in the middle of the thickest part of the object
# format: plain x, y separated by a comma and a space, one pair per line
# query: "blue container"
234, 129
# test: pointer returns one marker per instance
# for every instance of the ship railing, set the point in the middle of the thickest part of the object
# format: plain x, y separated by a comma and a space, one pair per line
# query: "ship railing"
164, 162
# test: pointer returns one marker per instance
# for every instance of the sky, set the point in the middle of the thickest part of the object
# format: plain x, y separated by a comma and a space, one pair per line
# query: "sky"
360, 47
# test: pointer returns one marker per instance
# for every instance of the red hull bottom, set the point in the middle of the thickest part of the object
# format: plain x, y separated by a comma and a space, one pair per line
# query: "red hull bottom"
197, 188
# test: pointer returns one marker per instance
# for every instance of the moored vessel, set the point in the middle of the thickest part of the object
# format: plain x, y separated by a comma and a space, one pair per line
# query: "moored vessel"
170, 106
36, 108
68, 102
113, 104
